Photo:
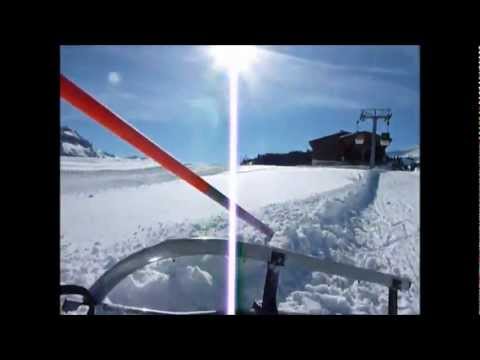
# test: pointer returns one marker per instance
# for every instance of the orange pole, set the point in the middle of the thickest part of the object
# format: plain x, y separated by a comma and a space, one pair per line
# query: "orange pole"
87, 104
100, 113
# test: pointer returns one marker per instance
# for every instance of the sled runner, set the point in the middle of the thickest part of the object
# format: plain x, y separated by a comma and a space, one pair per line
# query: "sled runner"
175, 248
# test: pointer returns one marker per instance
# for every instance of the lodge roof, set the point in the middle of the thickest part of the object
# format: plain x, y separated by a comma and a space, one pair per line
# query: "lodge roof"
339, 134
367, 133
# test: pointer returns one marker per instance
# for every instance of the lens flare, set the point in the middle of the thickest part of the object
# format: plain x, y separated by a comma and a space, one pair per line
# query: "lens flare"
235, 59
232, 211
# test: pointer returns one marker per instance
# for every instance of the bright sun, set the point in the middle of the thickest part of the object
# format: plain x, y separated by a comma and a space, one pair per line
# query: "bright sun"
234, 57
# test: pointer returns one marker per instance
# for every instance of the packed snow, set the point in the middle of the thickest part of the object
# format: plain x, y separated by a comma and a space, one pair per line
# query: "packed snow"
355, 216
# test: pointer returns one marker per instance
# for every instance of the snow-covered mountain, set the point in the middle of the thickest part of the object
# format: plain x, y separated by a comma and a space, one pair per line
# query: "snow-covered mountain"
409, 153
72, 144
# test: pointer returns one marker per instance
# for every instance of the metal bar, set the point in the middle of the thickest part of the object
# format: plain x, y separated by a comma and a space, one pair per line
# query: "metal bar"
269, 300
113, 122
174, 248
373, 142
392, 301
393, 297
165, 250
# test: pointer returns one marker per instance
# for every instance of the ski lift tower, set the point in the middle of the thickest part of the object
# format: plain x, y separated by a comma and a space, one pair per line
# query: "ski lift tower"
375, 115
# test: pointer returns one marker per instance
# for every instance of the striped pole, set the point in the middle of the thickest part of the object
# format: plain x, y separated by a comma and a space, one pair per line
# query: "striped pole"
113, 122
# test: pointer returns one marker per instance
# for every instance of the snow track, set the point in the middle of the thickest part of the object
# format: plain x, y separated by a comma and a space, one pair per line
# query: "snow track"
356, 225
370, 219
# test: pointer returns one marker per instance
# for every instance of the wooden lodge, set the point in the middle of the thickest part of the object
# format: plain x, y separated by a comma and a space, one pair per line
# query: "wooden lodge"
341, 147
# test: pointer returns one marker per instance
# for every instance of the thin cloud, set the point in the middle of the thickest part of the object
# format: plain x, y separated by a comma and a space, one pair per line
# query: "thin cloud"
283, 81
326, 102
323, 65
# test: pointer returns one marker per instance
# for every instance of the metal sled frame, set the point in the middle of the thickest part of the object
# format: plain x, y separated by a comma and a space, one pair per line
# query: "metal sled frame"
275, 257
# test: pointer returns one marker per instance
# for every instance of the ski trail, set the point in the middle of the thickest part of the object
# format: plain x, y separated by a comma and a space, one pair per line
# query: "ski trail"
366, 238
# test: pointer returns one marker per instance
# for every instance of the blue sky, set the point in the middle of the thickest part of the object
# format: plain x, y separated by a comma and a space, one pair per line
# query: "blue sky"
292, 94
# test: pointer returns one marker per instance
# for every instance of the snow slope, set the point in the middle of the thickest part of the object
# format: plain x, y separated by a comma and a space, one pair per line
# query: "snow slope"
369, 219
92, 175
72, 163
114, 214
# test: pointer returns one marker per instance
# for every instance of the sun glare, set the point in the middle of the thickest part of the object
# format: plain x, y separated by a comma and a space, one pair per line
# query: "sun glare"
234, 57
